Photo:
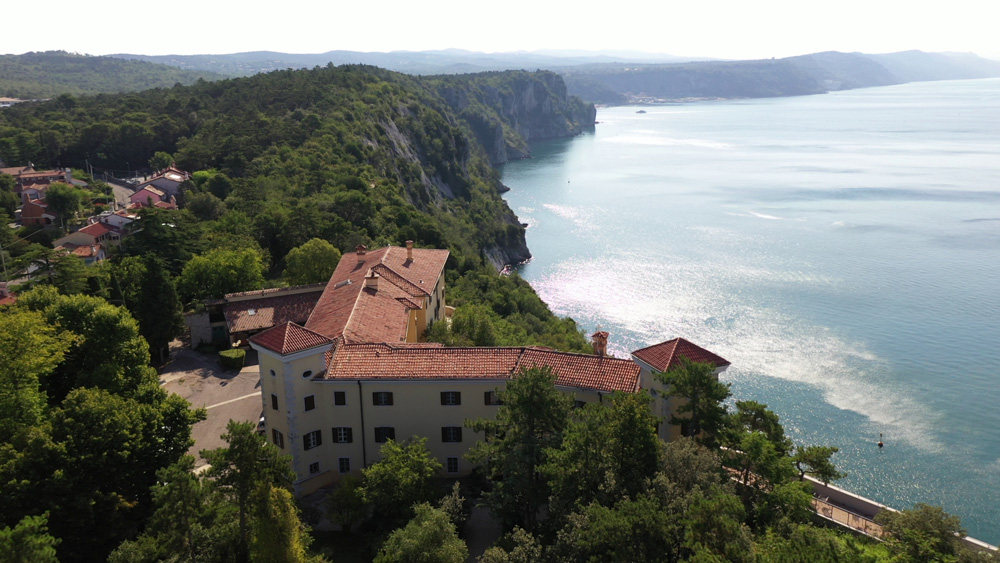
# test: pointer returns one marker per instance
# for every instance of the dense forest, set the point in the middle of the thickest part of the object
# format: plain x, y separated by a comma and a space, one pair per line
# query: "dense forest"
290, 169
51, 73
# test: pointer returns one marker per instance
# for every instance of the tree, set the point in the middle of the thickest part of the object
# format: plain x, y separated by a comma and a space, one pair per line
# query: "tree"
160, 160
607, 452
518, 546
121, 367
248, 468
815, 460
430, 537
529, 422
219, 272
346, 505
205, 206
158, 308
714, 526
922, 533
279, 535
64, 200
703, 395
313, 262
22, 400
69, 274
180, 498
28, 542
633, 530
401, 479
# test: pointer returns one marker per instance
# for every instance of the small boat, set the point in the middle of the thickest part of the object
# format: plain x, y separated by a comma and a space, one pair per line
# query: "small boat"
641, 111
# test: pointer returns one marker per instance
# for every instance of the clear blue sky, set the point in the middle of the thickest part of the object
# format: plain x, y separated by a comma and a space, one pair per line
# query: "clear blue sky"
734, 29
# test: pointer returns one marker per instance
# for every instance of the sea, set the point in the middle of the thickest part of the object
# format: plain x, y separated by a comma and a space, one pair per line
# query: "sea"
841, 250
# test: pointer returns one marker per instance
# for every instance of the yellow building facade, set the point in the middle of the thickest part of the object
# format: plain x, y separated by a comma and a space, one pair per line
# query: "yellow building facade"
333, 391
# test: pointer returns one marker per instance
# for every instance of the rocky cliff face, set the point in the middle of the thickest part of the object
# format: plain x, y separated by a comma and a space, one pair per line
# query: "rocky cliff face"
506, 110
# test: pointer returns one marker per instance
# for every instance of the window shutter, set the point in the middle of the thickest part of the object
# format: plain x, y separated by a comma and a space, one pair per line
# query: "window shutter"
444, 434
389, 402
486, 397
319, 438
458, 434
391, 434
350, 435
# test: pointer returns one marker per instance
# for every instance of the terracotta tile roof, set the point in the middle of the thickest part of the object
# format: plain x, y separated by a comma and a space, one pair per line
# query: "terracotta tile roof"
666, 355
16, 170
289, 338
265, 312
82, 250
97, 230
391, 362
151, 189
347, 310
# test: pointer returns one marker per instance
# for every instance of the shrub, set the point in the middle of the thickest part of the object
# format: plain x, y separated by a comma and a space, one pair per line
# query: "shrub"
233, 358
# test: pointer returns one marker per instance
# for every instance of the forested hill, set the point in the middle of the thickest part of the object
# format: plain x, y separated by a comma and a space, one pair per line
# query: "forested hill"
807, 74
350, 154
51, 73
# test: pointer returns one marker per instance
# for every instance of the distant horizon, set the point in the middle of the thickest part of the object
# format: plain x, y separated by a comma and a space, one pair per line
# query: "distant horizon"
727, 29
548, 52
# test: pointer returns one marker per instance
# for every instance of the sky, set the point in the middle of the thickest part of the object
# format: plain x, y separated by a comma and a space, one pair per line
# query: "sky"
727, 29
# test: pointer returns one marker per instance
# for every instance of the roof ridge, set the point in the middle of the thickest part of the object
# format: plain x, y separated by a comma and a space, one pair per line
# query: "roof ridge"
382, 265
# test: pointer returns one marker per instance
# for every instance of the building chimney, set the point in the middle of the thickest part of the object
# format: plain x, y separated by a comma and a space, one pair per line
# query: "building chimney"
361, 250
409, 251
371, 281
600, 341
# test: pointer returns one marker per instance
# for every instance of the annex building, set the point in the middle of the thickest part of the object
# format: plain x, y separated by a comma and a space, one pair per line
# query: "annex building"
356, 374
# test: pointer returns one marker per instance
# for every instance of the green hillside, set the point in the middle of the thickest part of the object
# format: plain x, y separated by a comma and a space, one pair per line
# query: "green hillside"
51, 73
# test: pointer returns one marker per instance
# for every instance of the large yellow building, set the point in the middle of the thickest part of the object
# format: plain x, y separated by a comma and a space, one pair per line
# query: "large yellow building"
356, 375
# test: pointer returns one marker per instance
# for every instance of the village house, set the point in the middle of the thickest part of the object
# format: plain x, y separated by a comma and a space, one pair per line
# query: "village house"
104, 234
167, 181
35, 212
151, 196
357, 373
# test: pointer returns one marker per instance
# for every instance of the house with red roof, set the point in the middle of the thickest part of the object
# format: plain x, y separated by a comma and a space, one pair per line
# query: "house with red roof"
167, 181
94, 234
357, 373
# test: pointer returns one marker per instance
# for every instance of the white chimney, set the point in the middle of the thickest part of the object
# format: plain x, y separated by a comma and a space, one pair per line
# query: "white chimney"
371, 281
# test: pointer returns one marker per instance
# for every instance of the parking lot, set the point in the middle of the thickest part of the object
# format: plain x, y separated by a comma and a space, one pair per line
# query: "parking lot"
225, 393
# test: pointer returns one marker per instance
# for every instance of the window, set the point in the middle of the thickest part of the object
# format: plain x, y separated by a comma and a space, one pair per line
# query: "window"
451, 464
384, 433
340, 398
343, 435
274, 401
310, 402
277, 438
307, 373
382, 398
689, 429
491, 398
345, 464
451, 434
311, 440
314, 468
579, 404
451, 398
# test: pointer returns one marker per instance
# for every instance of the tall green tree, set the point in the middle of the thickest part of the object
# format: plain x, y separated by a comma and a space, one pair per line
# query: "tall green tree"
278, 533
815, 461
22, 400
430, 537
158, 308
219, 272
402, 478
248, 468
529, 423
28, 542
607, 452
160, 160
702, 413
313, 262
64, 200
923, 533
181, 499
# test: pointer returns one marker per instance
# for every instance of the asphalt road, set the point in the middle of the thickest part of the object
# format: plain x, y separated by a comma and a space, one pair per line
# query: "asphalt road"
225, 394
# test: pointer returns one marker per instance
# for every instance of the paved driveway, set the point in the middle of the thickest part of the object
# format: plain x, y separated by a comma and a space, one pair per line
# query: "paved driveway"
225, 394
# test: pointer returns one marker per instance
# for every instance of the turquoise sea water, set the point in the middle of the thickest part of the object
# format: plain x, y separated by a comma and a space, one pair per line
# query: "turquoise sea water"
841, 250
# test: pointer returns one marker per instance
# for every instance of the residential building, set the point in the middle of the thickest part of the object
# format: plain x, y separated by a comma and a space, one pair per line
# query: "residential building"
167, 181
151, 196
36, 212
94, 234
357, 374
